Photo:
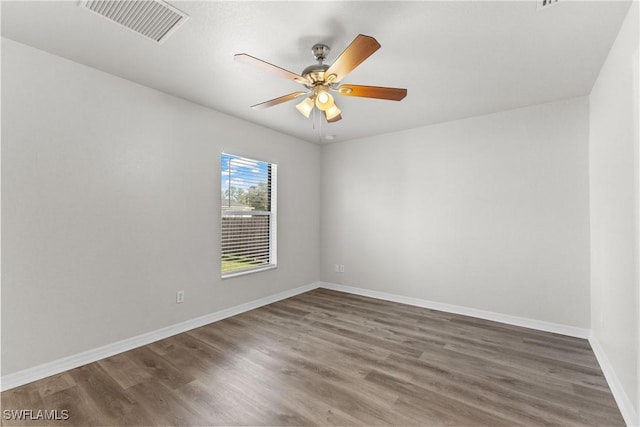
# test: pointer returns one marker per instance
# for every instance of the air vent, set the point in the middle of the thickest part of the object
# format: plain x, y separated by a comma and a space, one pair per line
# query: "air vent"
544, 4
154, 19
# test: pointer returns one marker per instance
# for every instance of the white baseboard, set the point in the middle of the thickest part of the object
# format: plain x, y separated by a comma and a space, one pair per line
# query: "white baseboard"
57, 366
622, 399
466, 311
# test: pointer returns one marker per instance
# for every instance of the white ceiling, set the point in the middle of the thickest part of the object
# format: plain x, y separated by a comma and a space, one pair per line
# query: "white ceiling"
457, 59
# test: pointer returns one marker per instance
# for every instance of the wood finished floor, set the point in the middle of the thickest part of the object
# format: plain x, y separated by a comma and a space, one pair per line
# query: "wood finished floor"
330, 358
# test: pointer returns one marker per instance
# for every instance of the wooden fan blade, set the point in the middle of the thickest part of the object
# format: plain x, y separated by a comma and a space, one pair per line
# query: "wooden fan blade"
252, 60
390, 93
360, 49
277, 101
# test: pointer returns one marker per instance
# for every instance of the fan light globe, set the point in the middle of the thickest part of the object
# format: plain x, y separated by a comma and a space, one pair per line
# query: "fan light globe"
324, 101
332, 112
323, 98
305, 107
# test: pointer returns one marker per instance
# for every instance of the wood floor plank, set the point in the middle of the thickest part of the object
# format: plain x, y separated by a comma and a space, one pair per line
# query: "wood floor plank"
75, 401
55, 383
124, 370
335, 359
103, 391
164, 405
159, 368
26, 397
219, 404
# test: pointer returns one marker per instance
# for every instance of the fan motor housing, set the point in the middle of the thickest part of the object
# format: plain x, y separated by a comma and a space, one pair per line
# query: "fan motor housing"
315, 73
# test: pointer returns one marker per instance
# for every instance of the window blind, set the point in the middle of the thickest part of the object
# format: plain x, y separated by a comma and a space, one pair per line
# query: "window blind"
248, 217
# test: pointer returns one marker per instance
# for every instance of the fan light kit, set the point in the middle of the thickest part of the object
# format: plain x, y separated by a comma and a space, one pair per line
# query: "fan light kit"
321, 79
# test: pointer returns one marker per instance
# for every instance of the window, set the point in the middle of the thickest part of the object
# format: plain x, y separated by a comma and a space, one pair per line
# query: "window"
248, 213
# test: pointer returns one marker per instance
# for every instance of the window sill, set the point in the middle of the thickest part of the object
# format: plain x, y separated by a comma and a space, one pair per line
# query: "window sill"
253, 270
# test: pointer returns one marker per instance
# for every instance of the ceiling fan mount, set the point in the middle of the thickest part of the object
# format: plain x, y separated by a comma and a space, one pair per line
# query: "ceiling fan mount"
320, 51
321, 79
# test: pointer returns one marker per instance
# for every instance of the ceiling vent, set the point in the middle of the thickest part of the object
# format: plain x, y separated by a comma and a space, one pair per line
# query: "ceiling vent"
544, 4
154, 19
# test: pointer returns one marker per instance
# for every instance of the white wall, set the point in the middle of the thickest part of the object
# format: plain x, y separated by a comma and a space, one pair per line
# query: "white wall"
614, 194
111, 202
490, 213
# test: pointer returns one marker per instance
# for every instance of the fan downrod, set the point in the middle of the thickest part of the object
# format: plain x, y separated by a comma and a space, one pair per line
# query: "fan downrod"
315, 73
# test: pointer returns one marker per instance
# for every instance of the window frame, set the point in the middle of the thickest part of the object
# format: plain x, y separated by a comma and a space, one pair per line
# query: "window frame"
272, 198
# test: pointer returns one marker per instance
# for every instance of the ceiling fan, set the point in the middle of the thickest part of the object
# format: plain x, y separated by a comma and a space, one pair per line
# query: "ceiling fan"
321, 79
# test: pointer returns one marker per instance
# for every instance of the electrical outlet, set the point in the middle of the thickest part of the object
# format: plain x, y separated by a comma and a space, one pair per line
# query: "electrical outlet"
341, 268
179, 297
336, 268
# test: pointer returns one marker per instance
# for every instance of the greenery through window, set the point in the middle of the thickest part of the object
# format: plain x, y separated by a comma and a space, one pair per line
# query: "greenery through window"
248, 214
